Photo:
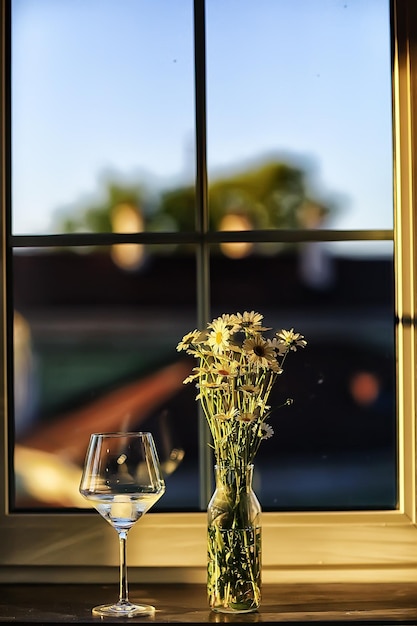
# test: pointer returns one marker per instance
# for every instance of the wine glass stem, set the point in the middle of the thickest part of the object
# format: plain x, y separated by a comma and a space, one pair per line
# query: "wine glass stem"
123, 591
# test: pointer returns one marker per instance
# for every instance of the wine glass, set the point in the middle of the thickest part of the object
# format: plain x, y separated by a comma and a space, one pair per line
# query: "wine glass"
122, 480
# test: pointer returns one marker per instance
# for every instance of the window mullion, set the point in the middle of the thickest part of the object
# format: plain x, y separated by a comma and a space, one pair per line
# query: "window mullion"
405, 139
202, 246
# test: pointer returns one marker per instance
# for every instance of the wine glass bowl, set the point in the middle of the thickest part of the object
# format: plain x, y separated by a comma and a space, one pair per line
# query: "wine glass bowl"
122, 479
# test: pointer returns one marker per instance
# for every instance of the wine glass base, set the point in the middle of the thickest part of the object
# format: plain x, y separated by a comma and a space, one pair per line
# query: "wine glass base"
125, 609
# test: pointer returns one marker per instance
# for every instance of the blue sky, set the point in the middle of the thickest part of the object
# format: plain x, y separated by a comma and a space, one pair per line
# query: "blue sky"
104, 85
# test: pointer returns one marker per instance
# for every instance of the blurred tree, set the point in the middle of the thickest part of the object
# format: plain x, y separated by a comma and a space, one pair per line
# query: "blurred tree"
97, 218
268, 196
272, 195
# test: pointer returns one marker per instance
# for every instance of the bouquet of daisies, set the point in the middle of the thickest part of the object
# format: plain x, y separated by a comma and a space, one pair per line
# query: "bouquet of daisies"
237, 368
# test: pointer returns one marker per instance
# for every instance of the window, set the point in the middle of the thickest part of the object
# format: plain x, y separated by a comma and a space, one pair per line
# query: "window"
323, 542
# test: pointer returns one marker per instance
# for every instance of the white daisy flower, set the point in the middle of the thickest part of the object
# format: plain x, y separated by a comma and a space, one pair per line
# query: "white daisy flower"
266, 431
259, 351
291, 339
218, 338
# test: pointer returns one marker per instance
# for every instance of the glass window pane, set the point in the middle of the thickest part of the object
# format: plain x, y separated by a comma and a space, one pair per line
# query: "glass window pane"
335, 446
299, 114
95, 350
91, 82
300, 143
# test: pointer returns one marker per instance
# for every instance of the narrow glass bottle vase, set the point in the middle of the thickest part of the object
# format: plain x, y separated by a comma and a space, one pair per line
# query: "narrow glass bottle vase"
234, 542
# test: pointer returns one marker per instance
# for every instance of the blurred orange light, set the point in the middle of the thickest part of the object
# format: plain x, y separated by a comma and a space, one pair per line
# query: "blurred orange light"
365, 388
126, 218
236, 250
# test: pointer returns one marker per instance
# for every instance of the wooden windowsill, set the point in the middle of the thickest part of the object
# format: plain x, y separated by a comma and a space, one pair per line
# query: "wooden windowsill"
384, 603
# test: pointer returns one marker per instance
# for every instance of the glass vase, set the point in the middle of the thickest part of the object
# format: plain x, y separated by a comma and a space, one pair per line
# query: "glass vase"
234, 542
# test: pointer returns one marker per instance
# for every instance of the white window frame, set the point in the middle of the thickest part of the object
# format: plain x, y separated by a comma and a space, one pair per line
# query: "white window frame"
326, 546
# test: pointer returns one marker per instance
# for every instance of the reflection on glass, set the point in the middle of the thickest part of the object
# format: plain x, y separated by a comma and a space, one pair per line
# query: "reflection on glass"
102, 114
335, 446
303, 115
95, 349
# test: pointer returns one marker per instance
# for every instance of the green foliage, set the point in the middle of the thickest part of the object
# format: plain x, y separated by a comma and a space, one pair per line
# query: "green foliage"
97, 218
268, 196
272, 195
179, 204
